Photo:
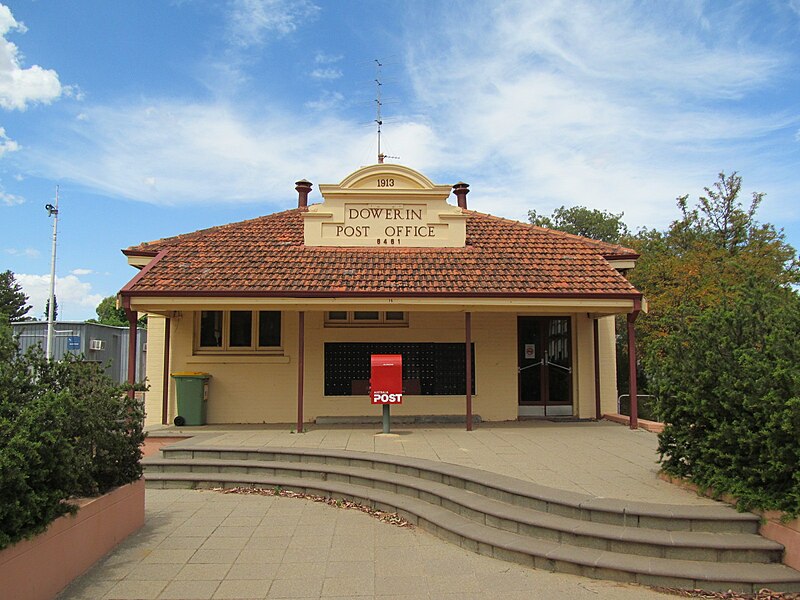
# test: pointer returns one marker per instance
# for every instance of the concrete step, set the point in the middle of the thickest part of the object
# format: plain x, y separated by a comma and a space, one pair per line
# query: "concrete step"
512, 546
715, 518
689, 545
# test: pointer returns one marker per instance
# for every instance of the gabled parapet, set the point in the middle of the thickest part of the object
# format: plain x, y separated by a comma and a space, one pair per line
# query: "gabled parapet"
385, 205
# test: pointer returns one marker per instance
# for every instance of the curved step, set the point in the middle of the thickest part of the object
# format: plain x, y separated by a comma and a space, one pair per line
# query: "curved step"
506, 545
726, 547
714, 518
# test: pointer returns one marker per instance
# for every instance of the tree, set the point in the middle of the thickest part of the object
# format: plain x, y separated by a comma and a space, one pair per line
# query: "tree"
705, 254
720, 345
13, 301
109, 314
47, 309
587, 222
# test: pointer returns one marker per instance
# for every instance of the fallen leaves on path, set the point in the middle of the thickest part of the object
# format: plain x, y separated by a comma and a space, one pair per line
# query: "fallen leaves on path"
383, 516
763, 594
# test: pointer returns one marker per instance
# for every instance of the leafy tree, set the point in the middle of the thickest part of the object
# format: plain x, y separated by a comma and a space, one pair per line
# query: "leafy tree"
719, 346
109, 314
579, 220
704, 254
47, 309
13, 301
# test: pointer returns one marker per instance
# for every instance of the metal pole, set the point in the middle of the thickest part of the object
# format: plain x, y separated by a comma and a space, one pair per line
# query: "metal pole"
387, 419
468, 337
133, 329
52, 211
598, 413
632, 372
165, 385
300, 367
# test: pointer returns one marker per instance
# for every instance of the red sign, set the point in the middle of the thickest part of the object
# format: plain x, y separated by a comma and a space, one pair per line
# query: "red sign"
386, 381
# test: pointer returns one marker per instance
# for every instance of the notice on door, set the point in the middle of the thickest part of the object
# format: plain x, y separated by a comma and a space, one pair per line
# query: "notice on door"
530, 351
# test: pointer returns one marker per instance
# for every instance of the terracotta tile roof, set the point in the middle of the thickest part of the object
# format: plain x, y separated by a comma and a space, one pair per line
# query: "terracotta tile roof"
266, 256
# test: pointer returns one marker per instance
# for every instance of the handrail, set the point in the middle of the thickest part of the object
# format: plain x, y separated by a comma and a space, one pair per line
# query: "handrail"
638, 396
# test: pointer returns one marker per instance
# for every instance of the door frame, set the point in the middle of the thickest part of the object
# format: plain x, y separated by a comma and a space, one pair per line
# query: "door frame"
543, 407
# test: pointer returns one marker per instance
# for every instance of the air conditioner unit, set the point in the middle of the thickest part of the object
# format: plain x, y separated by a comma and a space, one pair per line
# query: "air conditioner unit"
97, 344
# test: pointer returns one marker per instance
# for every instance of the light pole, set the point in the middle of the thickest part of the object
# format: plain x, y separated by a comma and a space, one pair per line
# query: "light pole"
52, 211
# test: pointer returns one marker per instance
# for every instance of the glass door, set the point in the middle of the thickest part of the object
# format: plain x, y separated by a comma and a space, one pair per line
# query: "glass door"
544, 366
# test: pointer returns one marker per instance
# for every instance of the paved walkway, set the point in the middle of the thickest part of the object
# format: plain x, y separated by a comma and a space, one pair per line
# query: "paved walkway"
205, 544
598, 458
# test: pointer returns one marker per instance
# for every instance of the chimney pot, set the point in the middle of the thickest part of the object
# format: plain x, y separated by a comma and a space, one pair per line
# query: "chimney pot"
303, 188
461, 190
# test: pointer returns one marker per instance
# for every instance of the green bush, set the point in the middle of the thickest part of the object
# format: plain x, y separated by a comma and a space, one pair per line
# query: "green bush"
729, 387
66, 430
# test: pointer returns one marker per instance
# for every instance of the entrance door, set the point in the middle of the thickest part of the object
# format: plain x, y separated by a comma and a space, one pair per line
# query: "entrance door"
545, 366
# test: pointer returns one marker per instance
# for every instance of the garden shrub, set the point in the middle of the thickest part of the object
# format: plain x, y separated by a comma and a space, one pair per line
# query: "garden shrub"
66, 429
729, 388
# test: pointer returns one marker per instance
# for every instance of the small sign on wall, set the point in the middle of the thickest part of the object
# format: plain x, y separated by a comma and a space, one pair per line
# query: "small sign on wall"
530, 351
73, 342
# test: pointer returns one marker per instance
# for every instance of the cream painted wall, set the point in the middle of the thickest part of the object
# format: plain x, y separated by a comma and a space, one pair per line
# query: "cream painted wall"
608, 365
263, 389
584, 380
583, 367
155, 368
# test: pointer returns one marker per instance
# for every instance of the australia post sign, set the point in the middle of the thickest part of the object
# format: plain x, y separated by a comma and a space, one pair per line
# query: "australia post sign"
386, 381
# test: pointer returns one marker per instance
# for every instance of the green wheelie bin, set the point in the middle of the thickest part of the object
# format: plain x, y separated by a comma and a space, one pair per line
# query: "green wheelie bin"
191, 389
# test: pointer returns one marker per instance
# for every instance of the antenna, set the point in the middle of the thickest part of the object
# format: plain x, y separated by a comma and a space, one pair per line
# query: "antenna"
378, 119
378, 105
52, 211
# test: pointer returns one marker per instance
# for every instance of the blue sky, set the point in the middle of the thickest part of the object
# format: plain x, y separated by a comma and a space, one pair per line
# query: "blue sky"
157, 118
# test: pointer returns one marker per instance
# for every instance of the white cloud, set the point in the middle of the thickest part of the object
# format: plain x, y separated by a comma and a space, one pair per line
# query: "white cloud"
74, 91
27, 252
250, 21
326, 102
74, 297
22, 86
326, 59
534, 104
172, 153
327, 73
6, 143
592, 103
10, 199
81, 272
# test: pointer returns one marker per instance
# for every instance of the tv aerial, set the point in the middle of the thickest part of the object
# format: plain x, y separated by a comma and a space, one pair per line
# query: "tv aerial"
378, 105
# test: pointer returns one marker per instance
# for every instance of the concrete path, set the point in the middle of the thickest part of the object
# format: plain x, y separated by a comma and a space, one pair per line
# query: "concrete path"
598, 458
205, 544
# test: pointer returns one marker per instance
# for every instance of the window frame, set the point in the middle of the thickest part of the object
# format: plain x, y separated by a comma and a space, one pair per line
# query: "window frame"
351, 321
226, 347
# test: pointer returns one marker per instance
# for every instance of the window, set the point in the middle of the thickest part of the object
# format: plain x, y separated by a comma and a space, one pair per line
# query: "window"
211, 329
241, 329
238, 331
359, 318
